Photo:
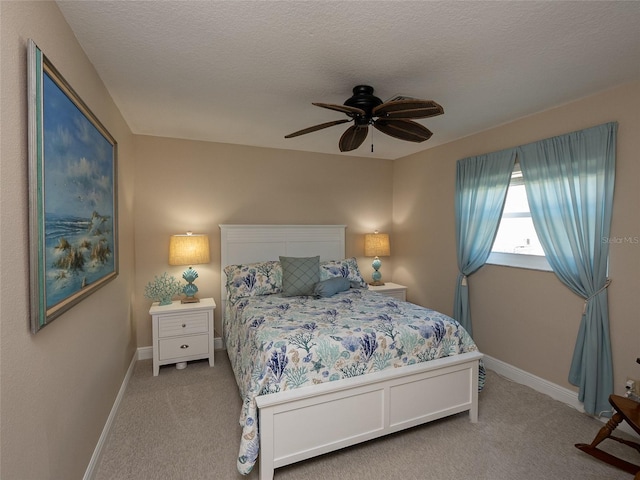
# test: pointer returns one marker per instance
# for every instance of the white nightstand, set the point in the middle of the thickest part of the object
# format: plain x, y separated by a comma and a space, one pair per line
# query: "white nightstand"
395, 290
182, 332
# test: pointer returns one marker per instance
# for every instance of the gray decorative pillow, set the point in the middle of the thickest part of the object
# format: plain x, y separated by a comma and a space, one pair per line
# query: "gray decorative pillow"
331, 286
299, 275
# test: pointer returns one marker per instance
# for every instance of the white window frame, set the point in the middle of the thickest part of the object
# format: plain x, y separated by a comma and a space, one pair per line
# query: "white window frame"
519, 260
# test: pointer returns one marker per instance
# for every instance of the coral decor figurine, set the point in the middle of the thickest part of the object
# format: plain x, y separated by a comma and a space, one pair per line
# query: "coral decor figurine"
163, 288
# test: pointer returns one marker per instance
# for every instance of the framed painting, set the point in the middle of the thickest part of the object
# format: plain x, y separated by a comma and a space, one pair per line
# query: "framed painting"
73, 214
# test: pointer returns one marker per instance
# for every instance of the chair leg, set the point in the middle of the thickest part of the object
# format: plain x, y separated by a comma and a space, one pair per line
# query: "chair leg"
603, 434
606, 431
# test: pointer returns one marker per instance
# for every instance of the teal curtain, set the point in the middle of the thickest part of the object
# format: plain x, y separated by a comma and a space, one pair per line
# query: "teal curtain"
569, 181
481, 190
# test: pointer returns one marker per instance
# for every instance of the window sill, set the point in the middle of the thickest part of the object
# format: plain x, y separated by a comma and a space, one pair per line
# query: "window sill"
531, 262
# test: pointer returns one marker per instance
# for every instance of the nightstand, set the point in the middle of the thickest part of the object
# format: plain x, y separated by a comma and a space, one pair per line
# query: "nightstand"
182, 332
397, 291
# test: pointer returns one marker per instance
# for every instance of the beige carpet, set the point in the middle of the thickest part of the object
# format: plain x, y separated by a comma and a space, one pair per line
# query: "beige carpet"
183, 424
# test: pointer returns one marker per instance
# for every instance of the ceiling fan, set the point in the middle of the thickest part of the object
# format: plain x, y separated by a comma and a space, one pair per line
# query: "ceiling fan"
392, 117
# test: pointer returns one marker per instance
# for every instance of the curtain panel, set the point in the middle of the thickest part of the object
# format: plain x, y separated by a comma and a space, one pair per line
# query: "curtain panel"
481, 190
569, 181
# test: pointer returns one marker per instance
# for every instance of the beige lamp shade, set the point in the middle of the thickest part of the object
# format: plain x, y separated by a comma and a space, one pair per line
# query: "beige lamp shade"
376, 245
189, 249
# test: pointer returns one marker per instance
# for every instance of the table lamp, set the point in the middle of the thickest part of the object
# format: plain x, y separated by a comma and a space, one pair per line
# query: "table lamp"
190, 249
376, 245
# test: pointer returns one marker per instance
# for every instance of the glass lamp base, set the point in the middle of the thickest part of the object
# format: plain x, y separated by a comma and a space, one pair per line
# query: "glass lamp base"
376, 275
190, 289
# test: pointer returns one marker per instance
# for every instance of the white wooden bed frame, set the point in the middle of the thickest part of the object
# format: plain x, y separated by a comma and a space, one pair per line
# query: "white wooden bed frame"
353, 410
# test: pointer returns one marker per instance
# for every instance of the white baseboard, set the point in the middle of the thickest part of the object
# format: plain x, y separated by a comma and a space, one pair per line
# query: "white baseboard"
145, 353
564, 395
88, 474
541, 385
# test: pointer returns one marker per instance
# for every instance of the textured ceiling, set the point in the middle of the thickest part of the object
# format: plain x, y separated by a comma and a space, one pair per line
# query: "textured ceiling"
246, 72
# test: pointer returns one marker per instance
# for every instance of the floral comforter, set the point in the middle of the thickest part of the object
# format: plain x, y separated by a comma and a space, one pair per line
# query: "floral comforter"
278, 343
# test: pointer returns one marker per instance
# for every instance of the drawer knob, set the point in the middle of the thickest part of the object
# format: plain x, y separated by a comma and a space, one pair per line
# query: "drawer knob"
184, 325
184, 346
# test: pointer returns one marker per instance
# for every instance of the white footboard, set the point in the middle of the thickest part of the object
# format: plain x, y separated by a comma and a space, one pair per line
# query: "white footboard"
306, 422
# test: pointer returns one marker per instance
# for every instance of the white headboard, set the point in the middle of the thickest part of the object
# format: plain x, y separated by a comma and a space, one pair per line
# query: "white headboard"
241, 244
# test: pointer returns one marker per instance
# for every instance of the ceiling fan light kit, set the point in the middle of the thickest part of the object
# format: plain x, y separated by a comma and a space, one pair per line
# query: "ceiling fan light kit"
393, 118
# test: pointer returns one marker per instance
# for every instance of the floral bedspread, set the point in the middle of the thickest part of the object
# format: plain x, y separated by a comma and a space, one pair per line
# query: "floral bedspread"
276, 343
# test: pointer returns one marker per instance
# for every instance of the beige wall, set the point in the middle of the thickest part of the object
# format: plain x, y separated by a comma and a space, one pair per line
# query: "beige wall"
57, 387
185, 185
525, 318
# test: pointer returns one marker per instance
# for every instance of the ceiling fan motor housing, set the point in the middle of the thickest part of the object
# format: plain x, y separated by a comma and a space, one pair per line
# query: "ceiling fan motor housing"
364, 99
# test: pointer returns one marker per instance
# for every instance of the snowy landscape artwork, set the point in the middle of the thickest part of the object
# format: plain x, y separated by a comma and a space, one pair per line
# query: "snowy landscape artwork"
73, 208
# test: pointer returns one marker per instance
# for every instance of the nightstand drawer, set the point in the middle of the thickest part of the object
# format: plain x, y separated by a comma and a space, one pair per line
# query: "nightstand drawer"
390, 289
183, 346
398, 295
183, 324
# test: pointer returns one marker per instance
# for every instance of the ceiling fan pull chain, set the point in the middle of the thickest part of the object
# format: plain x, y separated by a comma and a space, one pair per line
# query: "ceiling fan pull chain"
372, 140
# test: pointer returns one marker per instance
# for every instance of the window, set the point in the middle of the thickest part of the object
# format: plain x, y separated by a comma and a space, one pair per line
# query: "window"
516, 242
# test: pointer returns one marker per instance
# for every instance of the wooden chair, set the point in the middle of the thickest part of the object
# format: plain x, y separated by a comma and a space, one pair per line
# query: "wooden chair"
625, 409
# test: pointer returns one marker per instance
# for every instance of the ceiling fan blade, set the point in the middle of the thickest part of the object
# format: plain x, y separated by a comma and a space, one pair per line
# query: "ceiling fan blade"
408, 109
341, 108
317, 127
353, 137
403, 129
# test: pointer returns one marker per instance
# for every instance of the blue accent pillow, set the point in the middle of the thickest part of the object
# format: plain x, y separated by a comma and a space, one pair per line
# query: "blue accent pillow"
299, 275
331, 286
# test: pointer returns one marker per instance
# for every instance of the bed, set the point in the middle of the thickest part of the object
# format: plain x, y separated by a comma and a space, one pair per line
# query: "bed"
321, 372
